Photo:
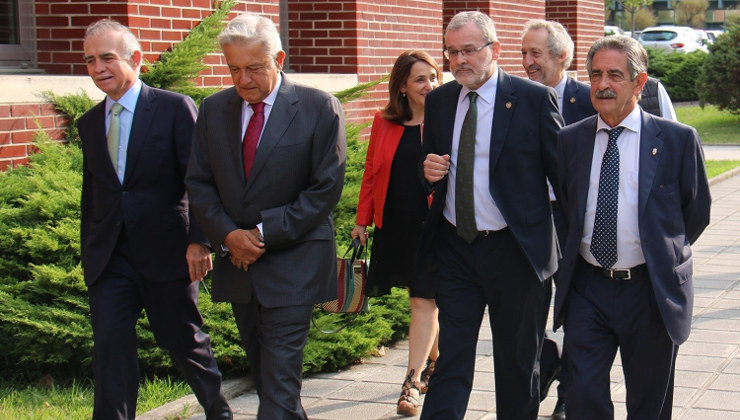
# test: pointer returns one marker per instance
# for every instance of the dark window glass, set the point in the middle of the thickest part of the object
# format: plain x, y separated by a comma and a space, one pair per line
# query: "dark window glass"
9, 28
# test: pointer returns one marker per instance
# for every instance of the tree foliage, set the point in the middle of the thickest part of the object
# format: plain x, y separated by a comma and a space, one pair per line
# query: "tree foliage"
631, 7
719, 82
691, 13
644, 17
677, 71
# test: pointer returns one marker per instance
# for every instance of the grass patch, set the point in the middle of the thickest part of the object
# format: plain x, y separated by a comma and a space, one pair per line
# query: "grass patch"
714, 126
75, 400
716, 167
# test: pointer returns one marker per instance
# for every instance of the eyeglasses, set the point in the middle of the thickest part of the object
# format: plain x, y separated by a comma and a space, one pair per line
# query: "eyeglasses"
469, 51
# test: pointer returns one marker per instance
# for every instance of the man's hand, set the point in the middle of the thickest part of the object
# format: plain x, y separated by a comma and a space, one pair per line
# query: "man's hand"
244, 246
436, 167
360, 232
199, 261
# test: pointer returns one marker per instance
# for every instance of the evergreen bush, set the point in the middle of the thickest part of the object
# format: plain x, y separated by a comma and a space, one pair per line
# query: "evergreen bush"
677, 71
719, 83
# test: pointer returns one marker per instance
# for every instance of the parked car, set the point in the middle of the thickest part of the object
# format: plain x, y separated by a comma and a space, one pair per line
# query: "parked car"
672, 38
714, 33
703, 37
612, 30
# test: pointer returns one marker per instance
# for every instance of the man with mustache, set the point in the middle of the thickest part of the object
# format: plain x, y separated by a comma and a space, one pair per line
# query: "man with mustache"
547, 51
635, 196
489, 147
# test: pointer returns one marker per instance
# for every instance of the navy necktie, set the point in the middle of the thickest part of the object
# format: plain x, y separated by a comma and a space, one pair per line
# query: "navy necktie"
464, 201
604, 239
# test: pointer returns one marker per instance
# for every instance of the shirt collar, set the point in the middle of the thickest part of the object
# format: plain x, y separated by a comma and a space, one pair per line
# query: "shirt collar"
128, 100
487, 91
631, 122
560, 87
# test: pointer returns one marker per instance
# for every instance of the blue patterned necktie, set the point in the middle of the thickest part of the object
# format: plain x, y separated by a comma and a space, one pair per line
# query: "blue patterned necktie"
464, 201
604, 239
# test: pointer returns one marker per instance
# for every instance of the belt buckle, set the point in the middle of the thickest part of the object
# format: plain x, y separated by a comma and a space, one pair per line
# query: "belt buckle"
620, 274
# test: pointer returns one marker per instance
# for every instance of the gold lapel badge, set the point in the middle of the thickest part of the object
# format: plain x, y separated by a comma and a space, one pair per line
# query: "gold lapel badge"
508, 105
654, 151
572, 100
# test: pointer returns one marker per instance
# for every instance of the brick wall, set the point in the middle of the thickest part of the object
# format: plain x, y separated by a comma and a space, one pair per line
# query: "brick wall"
584, 21
18, 123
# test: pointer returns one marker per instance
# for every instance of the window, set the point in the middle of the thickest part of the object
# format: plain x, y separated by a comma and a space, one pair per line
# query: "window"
17, 40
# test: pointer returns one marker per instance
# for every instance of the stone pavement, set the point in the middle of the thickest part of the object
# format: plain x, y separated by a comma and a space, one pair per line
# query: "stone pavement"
707, 367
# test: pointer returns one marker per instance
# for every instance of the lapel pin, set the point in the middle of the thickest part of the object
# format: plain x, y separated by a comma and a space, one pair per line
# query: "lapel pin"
654, 151
508, 105
572, 100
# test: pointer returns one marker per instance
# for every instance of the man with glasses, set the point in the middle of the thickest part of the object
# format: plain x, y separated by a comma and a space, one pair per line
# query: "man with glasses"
267, 170
635, 197
489, 147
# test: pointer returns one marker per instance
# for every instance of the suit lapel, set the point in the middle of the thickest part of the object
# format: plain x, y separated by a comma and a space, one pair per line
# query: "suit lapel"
233, 127
585, 146
446, 124
99, 144
504, 106
282, 113
143, 116
651, 148
569, 100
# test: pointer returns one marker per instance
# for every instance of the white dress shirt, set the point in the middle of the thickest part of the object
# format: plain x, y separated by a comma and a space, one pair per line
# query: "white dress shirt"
125, 119
487, 214
629, 252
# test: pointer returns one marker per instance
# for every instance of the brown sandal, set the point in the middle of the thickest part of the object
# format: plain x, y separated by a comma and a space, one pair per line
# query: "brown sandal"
426, 374
408, 403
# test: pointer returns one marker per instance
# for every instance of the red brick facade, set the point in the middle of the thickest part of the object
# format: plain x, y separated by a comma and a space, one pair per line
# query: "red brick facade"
332, 37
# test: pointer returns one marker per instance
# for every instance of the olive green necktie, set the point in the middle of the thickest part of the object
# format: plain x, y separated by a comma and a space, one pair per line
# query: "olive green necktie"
114, 132
464, 201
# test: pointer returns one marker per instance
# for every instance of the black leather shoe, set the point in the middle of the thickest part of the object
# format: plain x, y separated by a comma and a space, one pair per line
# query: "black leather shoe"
546, 380
559, 412
220, 410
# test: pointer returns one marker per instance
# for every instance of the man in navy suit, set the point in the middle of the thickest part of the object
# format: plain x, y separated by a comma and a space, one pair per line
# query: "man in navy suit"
140, 248
635, 197
489, 146
547, 52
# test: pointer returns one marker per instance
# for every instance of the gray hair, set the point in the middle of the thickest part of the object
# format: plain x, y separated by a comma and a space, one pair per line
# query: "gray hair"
130, 43
637, 57
482, 21
558, 40
248, 28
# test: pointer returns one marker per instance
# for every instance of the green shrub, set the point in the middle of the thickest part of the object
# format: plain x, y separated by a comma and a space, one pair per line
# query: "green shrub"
677, 71
719, 83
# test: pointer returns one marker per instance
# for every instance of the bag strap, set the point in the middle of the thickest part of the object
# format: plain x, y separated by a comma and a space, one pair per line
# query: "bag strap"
336, 330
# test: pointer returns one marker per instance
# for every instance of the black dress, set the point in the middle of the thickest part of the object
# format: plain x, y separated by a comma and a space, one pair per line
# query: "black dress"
395, 244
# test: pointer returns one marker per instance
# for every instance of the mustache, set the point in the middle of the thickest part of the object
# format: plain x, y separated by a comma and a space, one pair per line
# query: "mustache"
533, 67
605, 94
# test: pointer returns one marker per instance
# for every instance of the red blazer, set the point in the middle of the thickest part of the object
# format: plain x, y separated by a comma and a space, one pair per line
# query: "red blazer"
384, 138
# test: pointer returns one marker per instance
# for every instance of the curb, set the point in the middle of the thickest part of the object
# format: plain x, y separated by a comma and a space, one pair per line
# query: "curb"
188, 405
725, 175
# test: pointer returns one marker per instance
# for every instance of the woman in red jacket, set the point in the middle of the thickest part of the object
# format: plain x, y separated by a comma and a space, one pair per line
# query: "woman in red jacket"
393, 198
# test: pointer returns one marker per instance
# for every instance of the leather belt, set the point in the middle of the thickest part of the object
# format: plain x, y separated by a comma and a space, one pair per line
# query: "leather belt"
618, 275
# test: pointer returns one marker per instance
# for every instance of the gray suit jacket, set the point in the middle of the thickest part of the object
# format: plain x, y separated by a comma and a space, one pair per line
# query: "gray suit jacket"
673, 210
295, 183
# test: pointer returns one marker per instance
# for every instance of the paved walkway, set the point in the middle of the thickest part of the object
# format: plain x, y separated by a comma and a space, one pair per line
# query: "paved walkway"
707, 368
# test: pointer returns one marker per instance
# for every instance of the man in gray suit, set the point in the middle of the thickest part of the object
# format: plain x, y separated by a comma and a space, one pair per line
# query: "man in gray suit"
266, 171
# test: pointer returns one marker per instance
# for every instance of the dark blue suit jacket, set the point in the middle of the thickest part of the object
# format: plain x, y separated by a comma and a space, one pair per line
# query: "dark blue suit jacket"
522, 155
151, 203
576, 101
673, 203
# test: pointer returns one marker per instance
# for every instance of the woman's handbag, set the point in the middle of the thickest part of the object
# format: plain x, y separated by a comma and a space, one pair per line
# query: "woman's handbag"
351, 280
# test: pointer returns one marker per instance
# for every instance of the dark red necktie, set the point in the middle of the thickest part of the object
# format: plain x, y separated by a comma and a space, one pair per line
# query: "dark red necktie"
252, 136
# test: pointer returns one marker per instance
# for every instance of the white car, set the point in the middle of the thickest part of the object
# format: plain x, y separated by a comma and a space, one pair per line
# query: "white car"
612, 30
672, 38
714, 33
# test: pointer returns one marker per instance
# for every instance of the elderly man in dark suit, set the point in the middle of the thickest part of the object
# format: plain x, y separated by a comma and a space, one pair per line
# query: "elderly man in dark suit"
547, 52
635, 197
140, 248
266, 171
489, 146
